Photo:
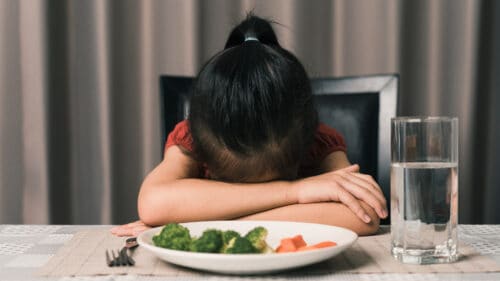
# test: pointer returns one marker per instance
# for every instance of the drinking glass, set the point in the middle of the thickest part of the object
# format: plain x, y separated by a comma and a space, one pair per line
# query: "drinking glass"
424, 189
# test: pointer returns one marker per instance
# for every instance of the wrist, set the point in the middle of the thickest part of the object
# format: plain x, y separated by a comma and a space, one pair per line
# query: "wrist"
293, 192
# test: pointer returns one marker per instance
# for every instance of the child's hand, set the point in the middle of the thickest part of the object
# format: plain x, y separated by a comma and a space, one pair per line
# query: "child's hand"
345, 185
130, 229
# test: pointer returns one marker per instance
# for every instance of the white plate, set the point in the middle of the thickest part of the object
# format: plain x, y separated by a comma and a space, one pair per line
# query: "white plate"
255, 263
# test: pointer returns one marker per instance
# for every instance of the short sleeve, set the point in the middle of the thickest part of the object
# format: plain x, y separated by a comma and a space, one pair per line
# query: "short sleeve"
326, 141
180, 136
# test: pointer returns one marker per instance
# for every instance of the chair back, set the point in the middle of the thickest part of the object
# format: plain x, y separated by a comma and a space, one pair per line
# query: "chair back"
361, 109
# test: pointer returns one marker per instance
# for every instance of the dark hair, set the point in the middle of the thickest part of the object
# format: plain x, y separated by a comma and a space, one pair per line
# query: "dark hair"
252, 107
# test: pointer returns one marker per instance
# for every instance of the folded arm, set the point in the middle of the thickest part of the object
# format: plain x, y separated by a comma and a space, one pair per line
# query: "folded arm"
331, 213
172, 193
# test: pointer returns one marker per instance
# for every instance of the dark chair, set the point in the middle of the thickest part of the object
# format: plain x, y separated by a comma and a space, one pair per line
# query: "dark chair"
359, 107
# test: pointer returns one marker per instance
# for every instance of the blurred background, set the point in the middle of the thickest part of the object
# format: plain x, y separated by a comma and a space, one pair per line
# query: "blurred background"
79, 89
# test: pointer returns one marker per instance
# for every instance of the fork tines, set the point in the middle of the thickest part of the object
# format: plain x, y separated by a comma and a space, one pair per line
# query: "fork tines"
118, 258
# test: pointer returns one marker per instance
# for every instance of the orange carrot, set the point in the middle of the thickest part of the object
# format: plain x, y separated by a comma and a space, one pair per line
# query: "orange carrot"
320, 245
306, 248
286, 246
324, 244
298, 241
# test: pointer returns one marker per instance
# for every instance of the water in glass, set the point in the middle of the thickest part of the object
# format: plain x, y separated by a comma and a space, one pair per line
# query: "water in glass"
424, 212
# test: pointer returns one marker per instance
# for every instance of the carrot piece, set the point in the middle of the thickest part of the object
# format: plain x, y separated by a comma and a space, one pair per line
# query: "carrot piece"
298, 240
324, 244
320, 245
297, 243
286, 246
306, 248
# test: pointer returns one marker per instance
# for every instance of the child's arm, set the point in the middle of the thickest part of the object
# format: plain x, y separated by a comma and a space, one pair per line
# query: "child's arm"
170, 193
332, 213
338, 160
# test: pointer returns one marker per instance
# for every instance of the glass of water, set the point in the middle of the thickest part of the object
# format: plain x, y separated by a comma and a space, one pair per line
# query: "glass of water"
424, 189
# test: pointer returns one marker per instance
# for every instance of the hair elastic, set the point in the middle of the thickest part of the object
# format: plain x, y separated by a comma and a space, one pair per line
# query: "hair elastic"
251, 38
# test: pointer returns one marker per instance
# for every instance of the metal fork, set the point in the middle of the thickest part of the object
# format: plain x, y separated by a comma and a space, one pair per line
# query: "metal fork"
121, 257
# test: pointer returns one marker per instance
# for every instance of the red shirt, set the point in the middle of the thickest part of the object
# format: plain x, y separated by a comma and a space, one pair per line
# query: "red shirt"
326, 141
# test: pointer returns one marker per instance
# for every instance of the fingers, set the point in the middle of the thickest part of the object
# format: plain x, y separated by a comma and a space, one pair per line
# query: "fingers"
371, 186
354, 170
115, 229
353, 204
139, 229
368, 179
129, 229
122, 231
363, 193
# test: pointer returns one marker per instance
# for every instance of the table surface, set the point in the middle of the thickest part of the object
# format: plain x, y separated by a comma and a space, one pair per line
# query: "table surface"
26, 248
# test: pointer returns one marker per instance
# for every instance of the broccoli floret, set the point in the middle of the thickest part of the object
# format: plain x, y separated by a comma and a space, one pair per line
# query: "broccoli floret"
226, 237
173, 236
257, 237
240, 245
209, 242
177, 237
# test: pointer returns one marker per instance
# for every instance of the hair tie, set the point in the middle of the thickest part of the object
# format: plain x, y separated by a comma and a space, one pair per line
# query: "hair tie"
251, 38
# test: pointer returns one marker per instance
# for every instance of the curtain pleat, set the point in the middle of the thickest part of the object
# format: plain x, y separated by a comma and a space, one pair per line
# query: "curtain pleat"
11, 147
79, 87
58, 111
33, 84
89, 112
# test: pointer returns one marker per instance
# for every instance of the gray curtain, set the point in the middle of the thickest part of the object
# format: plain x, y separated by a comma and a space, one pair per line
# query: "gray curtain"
79, 112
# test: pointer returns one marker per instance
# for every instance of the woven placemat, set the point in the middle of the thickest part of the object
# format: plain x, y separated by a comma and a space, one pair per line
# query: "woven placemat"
84, 256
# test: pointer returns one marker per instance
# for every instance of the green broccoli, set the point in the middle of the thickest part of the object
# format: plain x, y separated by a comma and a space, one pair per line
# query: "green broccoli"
173, 236
209, 242
257, 237
239, 245
226, 237
177, 237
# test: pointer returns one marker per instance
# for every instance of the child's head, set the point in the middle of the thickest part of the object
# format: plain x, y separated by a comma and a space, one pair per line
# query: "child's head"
252, 117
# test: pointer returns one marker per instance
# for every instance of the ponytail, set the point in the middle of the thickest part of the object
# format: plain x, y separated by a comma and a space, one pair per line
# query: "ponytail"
252, 27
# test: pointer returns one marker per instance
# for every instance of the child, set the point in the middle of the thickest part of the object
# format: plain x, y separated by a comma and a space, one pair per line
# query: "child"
252, 148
